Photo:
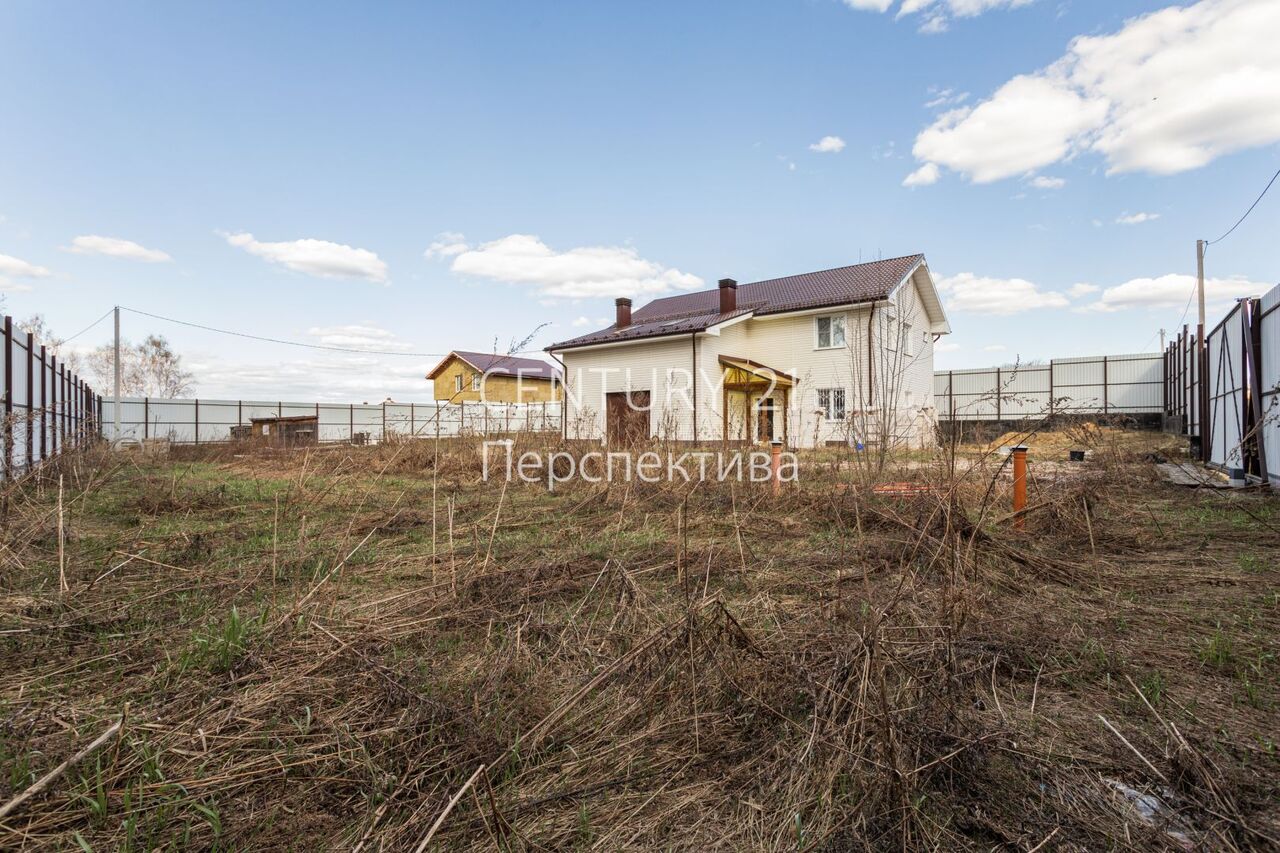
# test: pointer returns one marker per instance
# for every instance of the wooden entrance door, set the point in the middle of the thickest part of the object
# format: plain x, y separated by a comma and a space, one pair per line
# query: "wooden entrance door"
627, 417
764, 420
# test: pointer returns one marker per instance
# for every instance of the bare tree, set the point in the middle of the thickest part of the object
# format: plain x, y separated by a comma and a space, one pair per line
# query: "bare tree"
54, 345
148, 369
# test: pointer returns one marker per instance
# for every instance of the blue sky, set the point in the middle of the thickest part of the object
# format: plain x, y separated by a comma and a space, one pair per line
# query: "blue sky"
422, 177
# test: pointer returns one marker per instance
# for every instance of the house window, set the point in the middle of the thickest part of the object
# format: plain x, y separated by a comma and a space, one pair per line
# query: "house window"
457, 383
891, 332
908, 342
831, 402
830, 331
475, 382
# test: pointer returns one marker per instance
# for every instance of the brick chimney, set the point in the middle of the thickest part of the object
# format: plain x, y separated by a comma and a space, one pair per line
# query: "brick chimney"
728, 295
624, 312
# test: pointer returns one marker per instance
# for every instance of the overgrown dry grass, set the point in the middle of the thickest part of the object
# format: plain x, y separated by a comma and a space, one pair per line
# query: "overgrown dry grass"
364, 648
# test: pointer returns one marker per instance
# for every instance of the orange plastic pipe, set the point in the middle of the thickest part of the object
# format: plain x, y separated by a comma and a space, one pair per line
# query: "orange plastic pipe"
775, 467
1019, 484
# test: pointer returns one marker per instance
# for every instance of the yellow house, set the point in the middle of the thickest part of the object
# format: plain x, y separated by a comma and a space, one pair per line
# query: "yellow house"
470, 377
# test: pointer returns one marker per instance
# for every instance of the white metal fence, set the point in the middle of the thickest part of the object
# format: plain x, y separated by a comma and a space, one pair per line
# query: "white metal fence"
200, 421
1234, 413
1103, 384
1268, 359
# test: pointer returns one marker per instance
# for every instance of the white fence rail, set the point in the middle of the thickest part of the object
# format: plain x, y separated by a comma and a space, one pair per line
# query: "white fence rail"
1103, 384
201, 421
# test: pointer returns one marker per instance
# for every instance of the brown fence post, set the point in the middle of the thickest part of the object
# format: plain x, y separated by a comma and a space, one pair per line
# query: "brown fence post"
8, 397
1104, 385
197, 416
999, 394
1050, 387
44, 405
351, 420
146, 417
31, 399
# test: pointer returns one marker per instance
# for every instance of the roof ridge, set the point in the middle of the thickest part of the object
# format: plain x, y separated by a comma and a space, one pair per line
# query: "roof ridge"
833, 269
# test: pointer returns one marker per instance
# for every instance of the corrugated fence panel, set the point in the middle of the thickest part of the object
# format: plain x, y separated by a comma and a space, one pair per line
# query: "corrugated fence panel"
1269, 380
1112, 384
190, 420
1226, 395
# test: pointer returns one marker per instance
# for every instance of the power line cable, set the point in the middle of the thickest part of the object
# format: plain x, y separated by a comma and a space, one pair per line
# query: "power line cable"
283, 342
86, 328
1247, 212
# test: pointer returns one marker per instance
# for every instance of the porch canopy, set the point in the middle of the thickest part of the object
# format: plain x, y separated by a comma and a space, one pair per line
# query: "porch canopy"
757, 383
743, 374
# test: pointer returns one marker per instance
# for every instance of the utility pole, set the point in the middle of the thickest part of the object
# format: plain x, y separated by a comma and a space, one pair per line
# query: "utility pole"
1202, 356
116, 407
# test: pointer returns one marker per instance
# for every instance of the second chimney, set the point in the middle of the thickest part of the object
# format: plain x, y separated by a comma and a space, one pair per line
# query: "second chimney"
728, 295
624, 312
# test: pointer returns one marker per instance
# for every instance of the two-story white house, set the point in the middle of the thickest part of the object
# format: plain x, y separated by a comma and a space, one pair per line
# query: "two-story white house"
841, 356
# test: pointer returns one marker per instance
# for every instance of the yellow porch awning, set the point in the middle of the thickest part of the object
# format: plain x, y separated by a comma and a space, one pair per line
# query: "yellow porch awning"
742, 373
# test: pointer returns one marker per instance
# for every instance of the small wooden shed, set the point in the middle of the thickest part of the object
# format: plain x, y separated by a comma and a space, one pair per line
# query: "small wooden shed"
287, 431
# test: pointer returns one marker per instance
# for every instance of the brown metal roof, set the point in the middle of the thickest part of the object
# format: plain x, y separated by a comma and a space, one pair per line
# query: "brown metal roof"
496, 364
694, 312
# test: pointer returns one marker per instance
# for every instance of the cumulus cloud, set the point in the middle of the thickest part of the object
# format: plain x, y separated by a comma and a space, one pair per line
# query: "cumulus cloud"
936, 15
994, 348
828, 145
922, 177
93, 244
1174, 291
1169, 91
1045, 182
945, 346
589, 271
446, 245
315, 257
1136, 218
974, 294
358, 336
1082, 289
11, 266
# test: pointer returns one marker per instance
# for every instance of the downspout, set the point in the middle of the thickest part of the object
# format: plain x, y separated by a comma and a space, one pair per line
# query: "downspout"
871, 373
564, 398
693, 346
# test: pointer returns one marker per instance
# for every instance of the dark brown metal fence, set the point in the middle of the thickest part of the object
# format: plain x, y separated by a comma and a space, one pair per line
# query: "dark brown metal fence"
1216, 392
47, 408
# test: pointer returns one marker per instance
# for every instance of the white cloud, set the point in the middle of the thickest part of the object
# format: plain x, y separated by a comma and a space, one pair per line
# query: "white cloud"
93, 244
1045, 182
582, 321
589, 271
1136, 218
937, 14
869, 5
922, 177
994, 348
973, 294
446, 245
945, 346
9, 265
1169, 91
358, 336
828, 145
315, 257
945, 98
1174, 291
1082, 289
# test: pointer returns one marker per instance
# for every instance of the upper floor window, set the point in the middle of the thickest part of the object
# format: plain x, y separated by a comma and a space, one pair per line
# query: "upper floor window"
908, 342
475, 382
457, 383
830, 331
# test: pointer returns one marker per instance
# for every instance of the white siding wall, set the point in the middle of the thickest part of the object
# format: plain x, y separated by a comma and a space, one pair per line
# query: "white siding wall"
787, 343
